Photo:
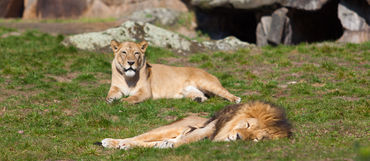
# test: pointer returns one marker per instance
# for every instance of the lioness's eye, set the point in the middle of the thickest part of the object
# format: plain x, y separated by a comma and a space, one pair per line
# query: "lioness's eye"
136, 53
123, 52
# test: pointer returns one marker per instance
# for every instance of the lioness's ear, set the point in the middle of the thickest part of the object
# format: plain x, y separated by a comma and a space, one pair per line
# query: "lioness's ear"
114, 45
143, 45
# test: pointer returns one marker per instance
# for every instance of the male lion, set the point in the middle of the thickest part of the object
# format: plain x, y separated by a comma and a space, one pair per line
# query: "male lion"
133, 76
254, 121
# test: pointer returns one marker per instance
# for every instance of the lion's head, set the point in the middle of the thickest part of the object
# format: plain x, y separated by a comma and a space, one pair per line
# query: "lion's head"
269, 122
129, 56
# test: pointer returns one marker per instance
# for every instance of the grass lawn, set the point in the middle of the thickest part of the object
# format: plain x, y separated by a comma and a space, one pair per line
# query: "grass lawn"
52, 101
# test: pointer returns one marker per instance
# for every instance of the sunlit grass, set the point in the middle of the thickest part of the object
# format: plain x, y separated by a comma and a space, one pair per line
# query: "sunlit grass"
52, 101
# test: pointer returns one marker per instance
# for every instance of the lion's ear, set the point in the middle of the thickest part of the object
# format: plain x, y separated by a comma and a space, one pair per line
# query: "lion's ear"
114, 45
143, 45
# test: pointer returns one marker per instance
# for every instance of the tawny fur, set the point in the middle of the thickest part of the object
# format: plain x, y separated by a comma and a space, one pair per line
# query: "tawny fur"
133, 76
254, 121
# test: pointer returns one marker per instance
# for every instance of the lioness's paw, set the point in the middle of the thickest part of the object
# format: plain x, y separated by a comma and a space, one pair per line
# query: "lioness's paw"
109, 99
238, 100
200, 99
164, 144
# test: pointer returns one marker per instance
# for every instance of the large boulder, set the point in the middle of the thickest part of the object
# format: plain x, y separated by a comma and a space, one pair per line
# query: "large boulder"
284, 21
354, 14
156, 36
38, 9
162, 16
275, 29
229, 43
253, 4
240, 4
11, 8
308, 5
355, 36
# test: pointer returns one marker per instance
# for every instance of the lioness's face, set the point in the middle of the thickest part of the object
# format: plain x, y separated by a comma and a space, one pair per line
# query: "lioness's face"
129, 56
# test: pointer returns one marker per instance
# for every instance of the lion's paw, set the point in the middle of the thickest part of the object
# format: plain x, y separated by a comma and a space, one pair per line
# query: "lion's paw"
109, 143
165, 144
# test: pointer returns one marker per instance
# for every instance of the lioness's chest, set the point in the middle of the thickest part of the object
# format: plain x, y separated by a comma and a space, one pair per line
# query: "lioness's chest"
127, 91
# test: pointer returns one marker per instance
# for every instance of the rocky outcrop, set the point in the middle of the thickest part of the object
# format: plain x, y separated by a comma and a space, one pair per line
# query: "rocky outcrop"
274, 29
11, 8
39, 9
309, 5
284, 21
162, 16
156, 36
55, 8
230, 43
240, 4
355, 36
253, 4
354, 16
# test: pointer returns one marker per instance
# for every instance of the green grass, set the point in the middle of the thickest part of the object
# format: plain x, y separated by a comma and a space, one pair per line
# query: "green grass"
58, 20
52, 102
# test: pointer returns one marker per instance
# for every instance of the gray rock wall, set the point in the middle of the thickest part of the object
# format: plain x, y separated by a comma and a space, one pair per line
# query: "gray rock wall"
156, 36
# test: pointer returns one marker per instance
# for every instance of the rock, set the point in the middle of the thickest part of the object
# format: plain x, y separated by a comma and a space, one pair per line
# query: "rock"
274, 29
156, 36
93, 8
308, 5
278, 21
54, 8
240, 4
263, 28
130, 31
355, 36
354, 15
162, 16
254, 4
11, 8
230, 43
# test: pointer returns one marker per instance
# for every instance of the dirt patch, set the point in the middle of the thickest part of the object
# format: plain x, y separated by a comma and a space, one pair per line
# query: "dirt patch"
183, 61
249, 93
18, 91
11, 34
61, 28
347, 98
103, 78
333, 128
64, 78
200, 114
2, 111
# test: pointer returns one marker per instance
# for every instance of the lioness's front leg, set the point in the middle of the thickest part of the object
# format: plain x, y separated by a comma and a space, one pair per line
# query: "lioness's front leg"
141, 95
113, 94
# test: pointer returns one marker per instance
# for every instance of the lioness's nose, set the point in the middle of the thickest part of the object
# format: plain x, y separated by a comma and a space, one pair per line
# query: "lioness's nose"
131, 62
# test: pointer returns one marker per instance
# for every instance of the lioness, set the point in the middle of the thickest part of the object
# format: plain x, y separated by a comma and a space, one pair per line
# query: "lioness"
254, 121
133, 76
